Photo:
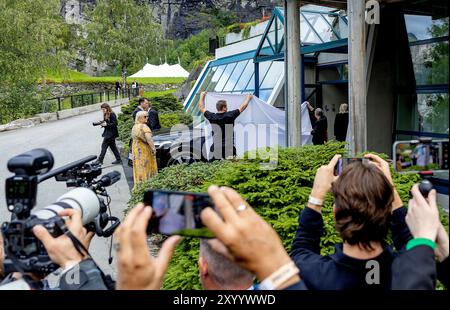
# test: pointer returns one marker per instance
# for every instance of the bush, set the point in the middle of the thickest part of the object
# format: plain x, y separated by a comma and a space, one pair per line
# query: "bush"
277, 195
71, 76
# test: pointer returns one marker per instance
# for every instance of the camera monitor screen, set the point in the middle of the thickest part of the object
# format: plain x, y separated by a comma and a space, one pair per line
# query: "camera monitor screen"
416, 156
177, 213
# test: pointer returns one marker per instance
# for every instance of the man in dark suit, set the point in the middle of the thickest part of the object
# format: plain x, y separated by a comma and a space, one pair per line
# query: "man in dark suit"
320, 125
153, 118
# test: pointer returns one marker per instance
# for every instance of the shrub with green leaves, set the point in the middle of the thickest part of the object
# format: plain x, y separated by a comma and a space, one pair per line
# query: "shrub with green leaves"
278, 195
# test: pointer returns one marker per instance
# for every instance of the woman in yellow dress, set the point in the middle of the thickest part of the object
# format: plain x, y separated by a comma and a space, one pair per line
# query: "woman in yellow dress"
143, 149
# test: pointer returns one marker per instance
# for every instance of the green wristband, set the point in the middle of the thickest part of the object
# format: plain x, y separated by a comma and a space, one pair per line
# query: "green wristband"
420, 241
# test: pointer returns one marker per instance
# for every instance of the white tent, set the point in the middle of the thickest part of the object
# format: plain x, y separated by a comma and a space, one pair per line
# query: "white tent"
164, 70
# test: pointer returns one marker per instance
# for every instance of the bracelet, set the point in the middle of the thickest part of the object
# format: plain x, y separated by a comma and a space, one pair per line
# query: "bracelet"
276, 279
420, 241
315, 201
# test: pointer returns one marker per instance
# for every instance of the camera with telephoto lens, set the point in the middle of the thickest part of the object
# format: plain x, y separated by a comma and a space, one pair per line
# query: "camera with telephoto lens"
97, 123
24, 252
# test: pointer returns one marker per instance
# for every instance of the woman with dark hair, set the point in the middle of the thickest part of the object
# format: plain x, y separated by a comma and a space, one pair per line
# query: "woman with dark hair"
109, 134
366, 207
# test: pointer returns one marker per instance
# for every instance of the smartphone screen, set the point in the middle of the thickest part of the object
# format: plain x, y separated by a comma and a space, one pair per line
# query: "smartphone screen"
344, 162
415, 156
177, 213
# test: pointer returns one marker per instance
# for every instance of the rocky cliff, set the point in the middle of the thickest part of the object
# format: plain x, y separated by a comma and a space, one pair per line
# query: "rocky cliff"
181, 18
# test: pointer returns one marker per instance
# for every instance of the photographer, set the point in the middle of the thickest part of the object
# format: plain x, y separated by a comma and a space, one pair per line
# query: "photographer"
366, 204
429, 239
64, 253
249, 240
109, 134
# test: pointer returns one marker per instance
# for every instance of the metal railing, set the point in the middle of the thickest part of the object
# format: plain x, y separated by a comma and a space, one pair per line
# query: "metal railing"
75, 101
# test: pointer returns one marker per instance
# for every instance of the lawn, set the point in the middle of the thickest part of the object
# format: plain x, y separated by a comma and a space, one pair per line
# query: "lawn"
78, 77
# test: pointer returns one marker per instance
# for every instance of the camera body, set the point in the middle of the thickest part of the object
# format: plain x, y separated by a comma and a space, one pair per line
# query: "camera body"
21, 189
24, 252
97, 123
29, 254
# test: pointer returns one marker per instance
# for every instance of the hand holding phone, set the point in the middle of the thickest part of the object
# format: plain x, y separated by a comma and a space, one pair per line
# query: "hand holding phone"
344, 162
177, 213
137, 269
250, 240
420, 155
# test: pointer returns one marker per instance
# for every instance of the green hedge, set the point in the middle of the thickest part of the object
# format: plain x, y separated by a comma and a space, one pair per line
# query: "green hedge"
169, 108
277, 195
71, 76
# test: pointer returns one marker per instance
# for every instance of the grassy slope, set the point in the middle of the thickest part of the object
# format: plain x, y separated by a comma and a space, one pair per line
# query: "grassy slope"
78, 77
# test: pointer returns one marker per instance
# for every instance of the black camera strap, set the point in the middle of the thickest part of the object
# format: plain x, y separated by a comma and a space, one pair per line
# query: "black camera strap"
108, 281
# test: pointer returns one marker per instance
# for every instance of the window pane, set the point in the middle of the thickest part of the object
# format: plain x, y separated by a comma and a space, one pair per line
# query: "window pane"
433, 112
320, 25
224, 78
263, 69
307, 34
245, 77
206, 81
251, 83
265, 94
235, 76
216, 78
424, 27
430, 63
274, 74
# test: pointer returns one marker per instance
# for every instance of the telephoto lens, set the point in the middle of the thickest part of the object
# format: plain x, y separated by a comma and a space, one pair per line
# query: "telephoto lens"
81, 199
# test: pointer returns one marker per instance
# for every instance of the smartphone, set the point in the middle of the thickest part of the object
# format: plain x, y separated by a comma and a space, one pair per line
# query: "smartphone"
177, 213
417, 156
344, 162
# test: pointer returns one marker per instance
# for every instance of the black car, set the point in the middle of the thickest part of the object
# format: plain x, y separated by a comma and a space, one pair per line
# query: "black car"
176, 147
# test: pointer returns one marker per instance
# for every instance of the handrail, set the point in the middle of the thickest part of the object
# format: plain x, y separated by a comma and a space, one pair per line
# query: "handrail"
80, 100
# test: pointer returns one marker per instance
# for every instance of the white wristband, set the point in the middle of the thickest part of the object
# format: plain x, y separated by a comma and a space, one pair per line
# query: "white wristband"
315, 201
282, 275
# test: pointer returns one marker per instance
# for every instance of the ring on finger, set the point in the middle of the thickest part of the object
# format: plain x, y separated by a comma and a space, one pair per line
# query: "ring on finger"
241, 208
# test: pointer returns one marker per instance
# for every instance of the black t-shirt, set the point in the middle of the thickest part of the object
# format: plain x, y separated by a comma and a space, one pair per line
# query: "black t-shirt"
225, 121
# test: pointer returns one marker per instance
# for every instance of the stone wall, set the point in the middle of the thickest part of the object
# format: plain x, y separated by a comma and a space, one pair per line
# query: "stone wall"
181, 18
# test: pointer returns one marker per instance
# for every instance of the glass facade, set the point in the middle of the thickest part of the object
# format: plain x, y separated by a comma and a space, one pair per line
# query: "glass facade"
433, 112
429, 46
238, 78
318, 25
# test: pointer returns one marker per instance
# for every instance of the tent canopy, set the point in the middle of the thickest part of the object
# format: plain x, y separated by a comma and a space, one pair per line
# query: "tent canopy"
164, 70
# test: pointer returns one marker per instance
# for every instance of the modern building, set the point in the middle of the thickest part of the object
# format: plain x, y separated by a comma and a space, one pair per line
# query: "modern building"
387, 59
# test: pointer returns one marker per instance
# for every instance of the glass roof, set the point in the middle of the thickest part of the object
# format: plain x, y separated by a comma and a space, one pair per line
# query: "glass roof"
238, 78
237, 75
318, 25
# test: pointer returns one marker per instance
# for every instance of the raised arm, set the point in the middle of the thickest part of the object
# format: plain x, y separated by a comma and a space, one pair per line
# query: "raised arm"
306, 244
202, 102
245, 103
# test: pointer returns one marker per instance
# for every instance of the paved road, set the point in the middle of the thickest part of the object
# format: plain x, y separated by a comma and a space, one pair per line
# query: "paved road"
69, 139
